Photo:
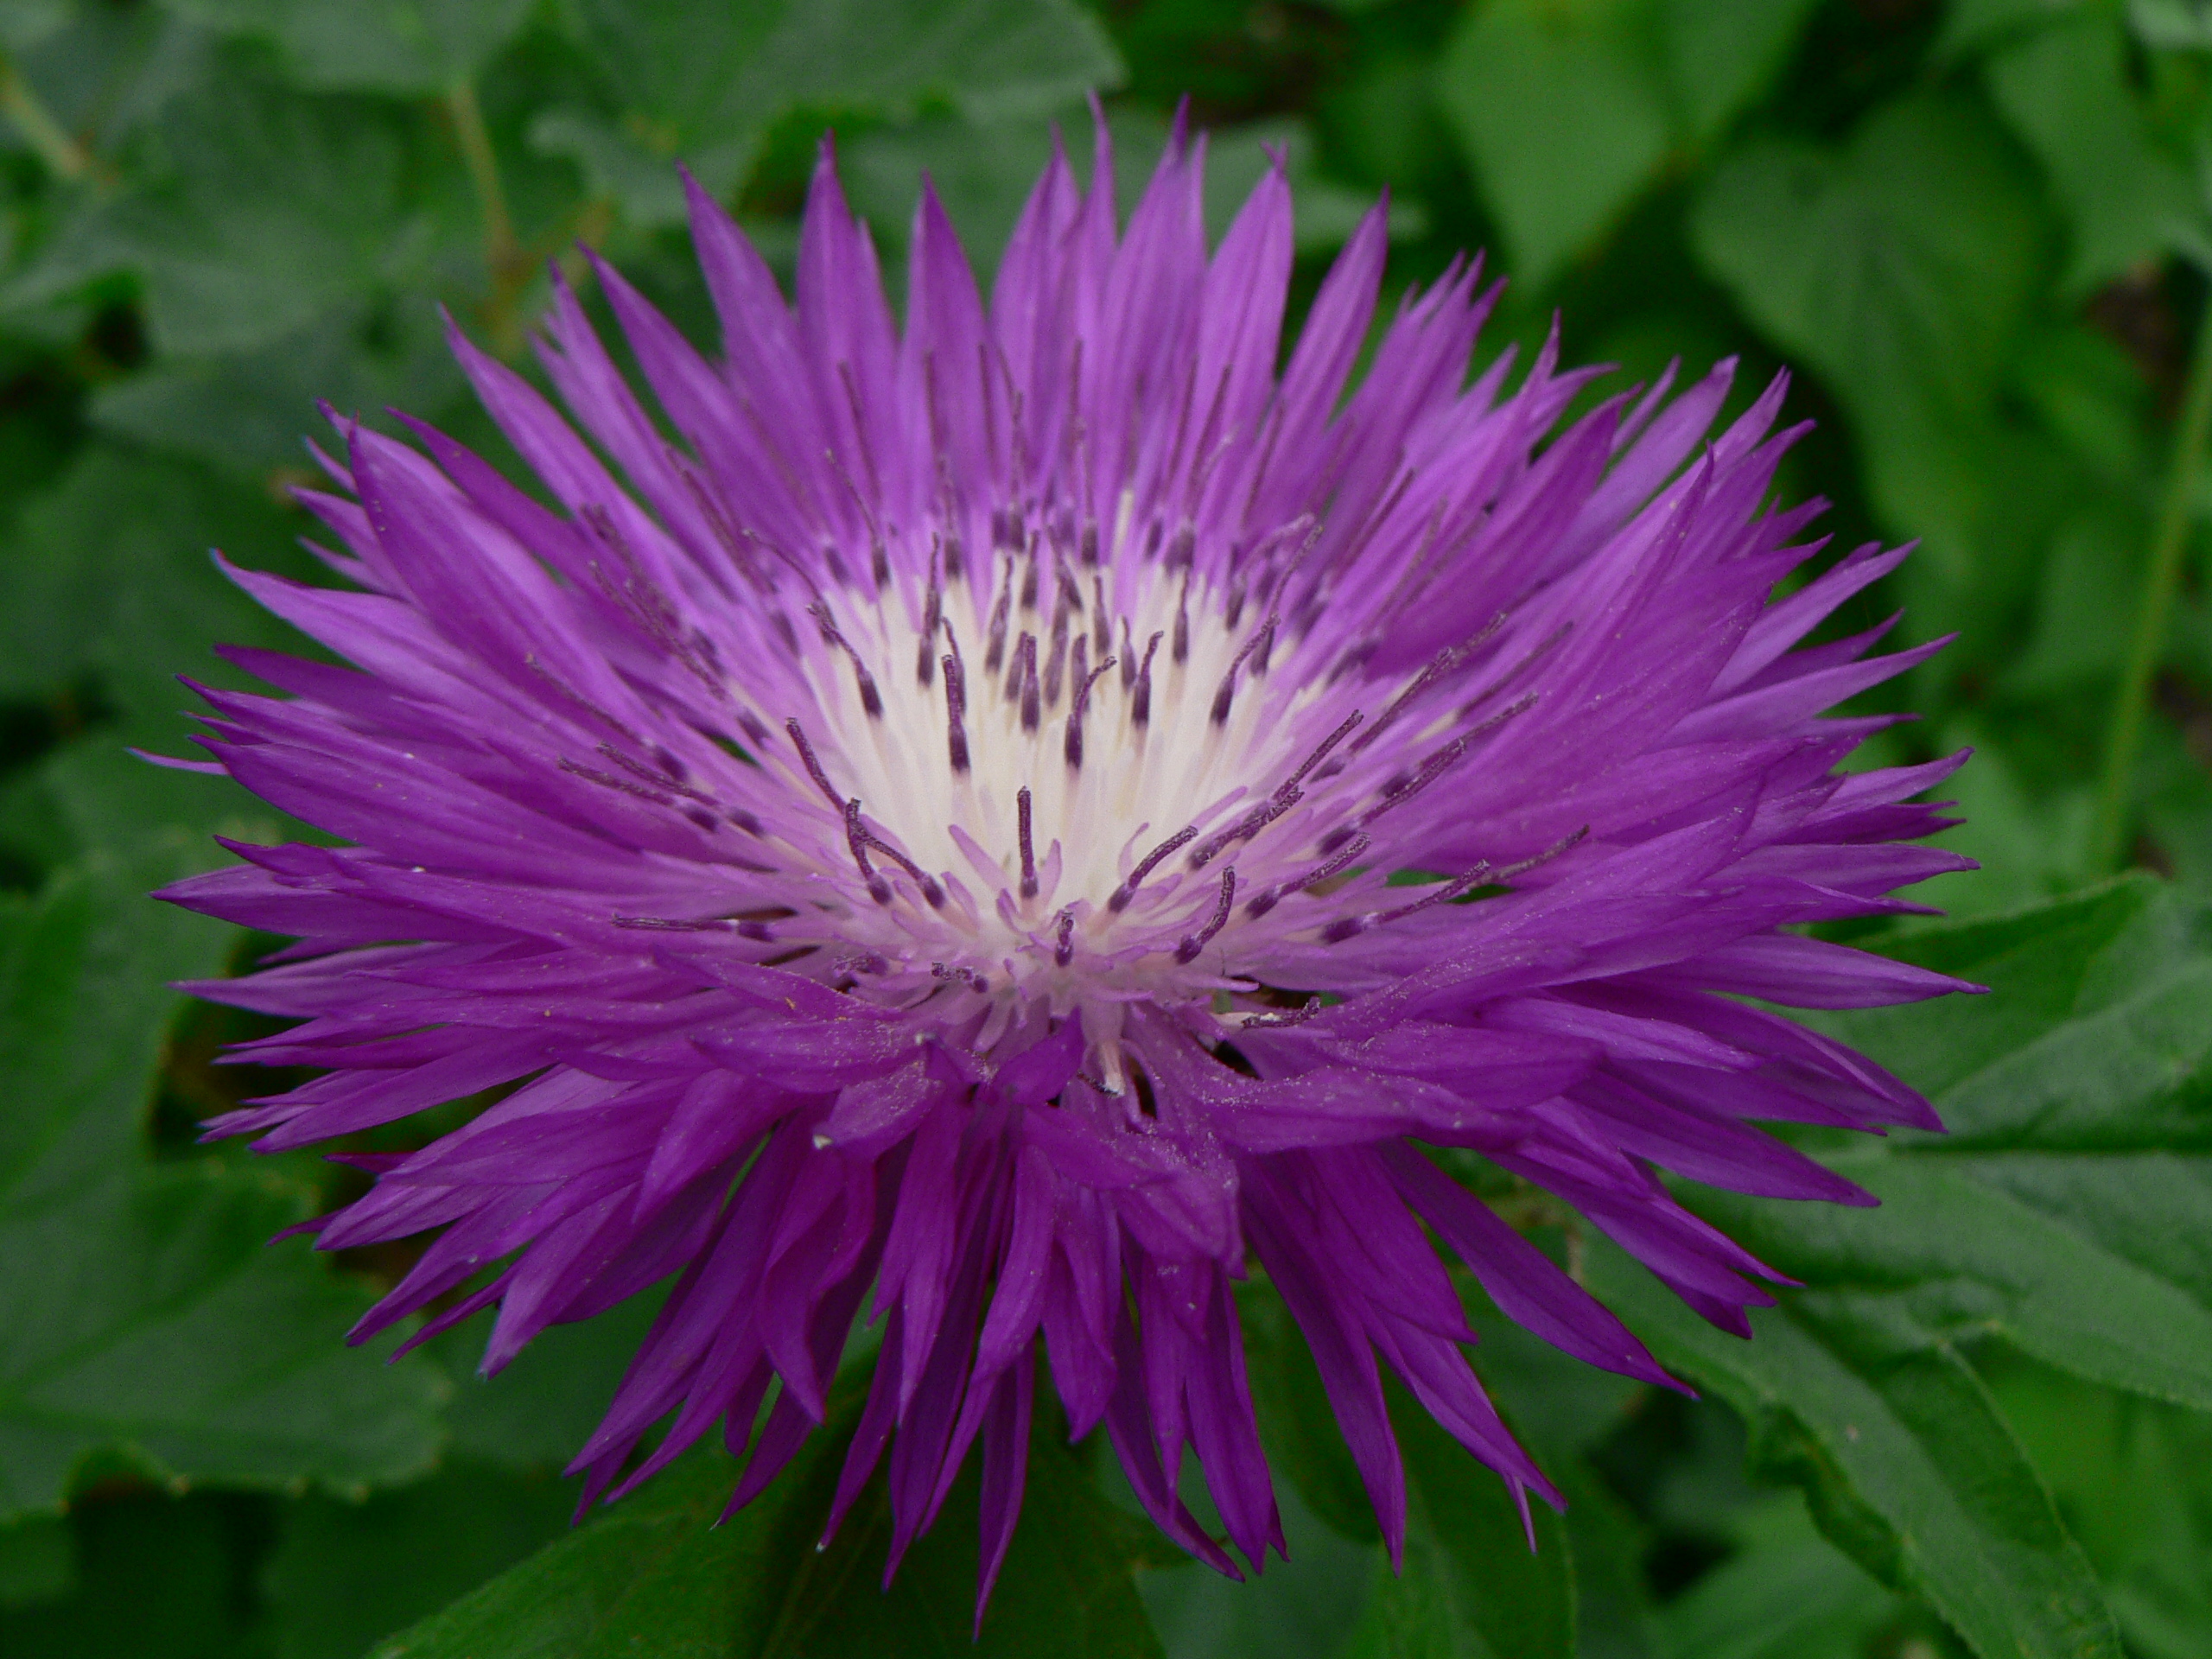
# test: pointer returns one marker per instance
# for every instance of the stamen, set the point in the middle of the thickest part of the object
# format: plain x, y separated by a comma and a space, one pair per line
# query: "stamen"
1348, 856
1028, 845
1456, 887
813, 766
1032, 713
1029, 576
1119, 900
933, 890
1057, 659
1073, 748
1542, 648
1187, 951
1181, 649
871, 699
1222, 697
608, 780
1443, 661
995, 649
956, 709
1064, 940
1319, 754
856, 840
1130, 656
1101, 625
1563, 844
932, 613
1141, 701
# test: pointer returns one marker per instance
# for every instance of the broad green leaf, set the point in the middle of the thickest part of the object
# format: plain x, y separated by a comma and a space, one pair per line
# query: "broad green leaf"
1302, 1608
2031, 847
342, 1575
1296, 1423
541, 1407
983, 172
109, 572
1904, 1459
654, 1574
2096, 1036
2183, 24
112, 594
703, 83
2064, 90
158, 1578
1066, 1588
144, 1313
250, 412
271, 207
2134, 1483
1567, 108
1975, 25
1471, 1583
1562, 118
384, 46
1785, 1594
1722, 55
1474, 1584
36, 1560
1946, 1256
1901, 268
2062, 1213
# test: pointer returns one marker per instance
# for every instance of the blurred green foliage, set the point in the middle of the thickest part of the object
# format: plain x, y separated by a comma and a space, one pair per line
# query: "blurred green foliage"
1976, 229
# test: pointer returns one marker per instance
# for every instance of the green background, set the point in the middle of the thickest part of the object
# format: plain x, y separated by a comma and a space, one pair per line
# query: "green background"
1977, 230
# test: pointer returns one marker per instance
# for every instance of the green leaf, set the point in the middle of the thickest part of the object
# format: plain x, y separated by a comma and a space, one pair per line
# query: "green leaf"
2134, 1483
342, 1575
1302, 1608
36, 1560
1066, 1588
1296, 1423
2064, 90
1722, 54
1904, 1459
1472, 1583
2097, 1035
1786, 1594
1901, 268
2183, 24
653, 1574
250, 412
1950, 1256
272, 206
384, 46
2062, 1213
541, 1406
112, 594
704, 83
2031, 849
1562, 118
158, 1578
144, 1312
1567, 108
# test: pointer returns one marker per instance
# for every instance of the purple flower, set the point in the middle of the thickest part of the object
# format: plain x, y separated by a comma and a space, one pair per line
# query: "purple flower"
1008, 824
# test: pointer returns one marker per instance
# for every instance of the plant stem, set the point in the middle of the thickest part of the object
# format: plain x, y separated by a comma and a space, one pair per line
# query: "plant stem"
62, 155
2131, 704
504, 259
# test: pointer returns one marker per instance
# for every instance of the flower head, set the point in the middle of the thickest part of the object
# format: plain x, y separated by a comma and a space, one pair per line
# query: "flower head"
1013, 823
